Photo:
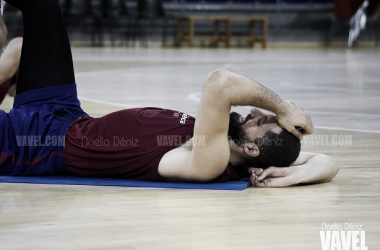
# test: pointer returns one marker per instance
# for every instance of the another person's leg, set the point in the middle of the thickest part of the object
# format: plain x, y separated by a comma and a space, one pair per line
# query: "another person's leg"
10, 59
46, 58
9, 64
3, 31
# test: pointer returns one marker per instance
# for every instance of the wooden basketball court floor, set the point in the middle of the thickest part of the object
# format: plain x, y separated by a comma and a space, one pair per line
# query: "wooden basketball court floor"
339, 88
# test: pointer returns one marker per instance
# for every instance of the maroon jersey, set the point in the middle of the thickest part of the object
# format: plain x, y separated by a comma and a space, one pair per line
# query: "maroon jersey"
4, 87
129, 143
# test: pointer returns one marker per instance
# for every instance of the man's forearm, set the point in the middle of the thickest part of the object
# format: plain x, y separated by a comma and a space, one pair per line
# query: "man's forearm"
318, 169
243, 91
224, 89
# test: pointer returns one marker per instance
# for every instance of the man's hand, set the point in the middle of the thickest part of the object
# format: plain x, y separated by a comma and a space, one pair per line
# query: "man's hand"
272, 177
295, 120
309, 168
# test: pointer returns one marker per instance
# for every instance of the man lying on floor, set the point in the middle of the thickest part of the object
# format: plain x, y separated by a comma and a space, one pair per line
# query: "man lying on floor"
215, 147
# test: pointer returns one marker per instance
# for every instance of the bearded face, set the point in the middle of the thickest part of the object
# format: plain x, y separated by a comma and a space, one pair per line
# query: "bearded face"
235, 130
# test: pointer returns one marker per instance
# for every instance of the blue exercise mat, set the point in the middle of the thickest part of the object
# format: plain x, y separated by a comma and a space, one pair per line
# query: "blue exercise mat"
74, 180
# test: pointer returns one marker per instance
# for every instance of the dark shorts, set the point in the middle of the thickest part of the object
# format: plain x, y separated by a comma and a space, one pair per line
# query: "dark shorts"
32, 133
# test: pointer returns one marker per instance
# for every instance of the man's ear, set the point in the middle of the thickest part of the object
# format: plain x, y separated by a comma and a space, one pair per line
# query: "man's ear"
251, 149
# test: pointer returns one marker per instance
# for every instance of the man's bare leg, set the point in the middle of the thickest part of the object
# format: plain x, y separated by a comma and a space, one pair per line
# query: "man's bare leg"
3, 31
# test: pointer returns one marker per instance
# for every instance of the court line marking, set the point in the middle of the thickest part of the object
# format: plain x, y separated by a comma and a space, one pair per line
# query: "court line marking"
289, 84
344, 113
196, 97
116, 104
349, 129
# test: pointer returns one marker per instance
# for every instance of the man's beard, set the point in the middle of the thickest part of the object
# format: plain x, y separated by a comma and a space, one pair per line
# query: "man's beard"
235, 130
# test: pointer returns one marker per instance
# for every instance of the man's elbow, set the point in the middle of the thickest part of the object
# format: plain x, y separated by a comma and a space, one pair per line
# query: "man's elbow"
16, 42
217, 73
216, 80
334, 167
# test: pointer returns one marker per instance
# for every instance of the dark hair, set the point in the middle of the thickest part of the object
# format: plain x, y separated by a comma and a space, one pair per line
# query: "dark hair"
278, 150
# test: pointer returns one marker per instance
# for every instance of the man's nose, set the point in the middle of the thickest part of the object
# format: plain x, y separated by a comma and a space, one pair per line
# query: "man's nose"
257, 113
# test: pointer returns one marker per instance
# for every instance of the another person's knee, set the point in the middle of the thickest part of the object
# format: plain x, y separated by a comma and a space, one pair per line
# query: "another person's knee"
15, 43
3, 34
13, 49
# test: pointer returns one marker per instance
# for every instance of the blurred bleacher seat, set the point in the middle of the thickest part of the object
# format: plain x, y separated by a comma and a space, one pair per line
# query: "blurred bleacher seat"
150, 17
